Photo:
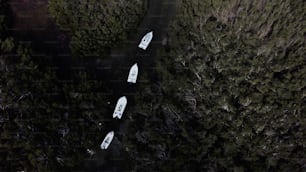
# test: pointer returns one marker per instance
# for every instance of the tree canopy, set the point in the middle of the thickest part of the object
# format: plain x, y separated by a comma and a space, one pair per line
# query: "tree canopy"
95, 25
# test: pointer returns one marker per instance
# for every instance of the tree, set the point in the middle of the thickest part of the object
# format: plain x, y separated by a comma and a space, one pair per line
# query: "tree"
95, 26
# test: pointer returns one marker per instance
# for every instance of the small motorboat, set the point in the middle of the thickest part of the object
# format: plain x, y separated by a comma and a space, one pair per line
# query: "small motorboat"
133, 74
107, 140
119, 109
145, 41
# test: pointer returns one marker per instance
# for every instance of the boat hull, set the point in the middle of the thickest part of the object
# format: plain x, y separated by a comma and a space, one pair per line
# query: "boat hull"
107, 140
132, 78
146, 40
120, 107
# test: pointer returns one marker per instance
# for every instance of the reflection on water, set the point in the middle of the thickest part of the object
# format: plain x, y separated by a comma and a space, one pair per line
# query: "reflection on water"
31, 23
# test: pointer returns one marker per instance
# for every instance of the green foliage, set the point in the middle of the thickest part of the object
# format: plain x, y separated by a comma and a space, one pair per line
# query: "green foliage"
95, 26
232, 96
47, 120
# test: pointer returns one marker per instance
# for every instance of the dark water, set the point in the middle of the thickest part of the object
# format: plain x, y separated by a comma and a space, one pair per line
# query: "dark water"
31, 23
156, 19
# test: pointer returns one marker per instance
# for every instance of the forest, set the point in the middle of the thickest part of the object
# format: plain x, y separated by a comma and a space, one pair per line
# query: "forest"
229, 91
50, 121
230, 94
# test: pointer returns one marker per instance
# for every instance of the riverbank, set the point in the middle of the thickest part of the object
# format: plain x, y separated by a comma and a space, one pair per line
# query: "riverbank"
230, 91
54, 106
222, 88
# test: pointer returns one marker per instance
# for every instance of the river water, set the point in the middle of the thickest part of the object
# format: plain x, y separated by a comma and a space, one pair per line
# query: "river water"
32, 23
156, 19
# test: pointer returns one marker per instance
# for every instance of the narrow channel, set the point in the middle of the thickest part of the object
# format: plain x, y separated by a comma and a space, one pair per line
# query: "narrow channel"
157, 18
30, 23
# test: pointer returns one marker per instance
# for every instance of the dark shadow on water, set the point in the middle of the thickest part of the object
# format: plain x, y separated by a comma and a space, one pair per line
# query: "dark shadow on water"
52, 45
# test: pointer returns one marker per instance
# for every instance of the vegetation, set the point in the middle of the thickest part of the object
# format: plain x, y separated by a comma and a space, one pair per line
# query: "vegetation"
231, 91
44, 121
96, 26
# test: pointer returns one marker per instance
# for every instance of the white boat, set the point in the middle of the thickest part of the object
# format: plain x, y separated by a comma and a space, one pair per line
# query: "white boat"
119, 109
133, 74
107, 140
145, 41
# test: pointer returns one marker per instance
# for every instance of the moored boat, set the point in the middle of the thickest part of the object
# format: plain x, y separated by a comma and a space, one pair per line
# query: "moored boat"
120, 106
107, 140
145, 41
132, 78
